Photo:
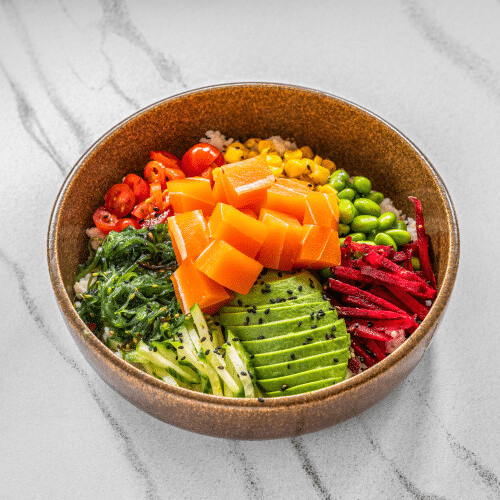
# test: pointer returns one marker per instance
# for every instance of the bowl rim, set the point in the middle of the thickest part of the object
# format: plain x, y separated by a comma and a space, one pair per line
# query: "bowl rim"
108, 356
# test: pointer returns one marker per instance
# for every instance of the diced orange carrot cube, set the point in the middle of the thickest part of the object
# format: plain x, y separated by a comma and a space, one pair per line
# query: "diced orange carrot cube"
293, 185
182, 203
219, 190
193, 287
249, 212
238, 229
189, 234
284, 200
246, 181
319, 249
229, 267
322, 209
197, 187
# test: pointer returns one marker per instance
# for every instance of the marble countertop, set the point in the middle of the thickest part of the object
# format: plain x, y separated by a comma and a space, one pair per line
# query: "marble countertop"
70, 70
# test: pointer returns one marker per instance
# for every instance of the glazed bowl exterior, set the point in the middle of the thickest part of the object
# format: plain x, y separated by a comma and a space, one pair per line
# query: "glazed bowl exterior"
354, 138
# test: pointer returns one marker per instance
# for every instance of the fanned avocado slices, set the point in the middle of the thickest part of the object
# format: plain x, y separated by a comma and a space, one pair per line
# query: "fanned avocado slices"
296, 341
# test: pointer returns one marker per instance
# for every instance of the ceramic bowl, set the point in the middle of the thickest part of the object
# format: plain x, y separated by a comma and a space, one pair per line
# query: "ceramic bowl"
355, 139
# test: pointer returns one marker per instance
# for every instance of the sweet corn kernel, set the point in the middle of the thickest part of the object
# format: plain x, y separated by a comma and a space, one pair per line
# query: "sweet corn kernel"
295, 154
326, 189
319, 175
276, 171
215, 173
252, 143
309, 165
329, 164
318, 160
294, 168
307, 152
274, 161
252, 154
264, 145
235, 152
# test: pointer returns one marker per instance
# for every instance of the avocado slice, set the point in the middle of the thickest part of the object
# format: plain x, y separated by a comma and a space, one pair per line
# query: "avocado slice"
302, 365
303, 388
270, 314
295, 339
277, 383
274, 302
300, 352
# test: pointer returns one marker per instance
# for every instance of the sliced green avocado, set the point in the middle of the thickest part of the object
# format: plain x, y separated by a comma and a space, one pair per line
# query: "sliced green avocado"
297, 285
274, 302
303, 388
278, 328
295, 339
300, 352
302, 365
277, 383
270, 314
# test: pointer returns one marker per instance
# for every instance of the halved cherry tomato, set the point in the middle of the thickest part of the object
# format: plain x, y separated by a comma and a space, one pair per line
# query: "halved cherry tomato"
200, 157
158, 218
119, 200
165, 158
157, 195
123, 223
174, 173
138, 185
155, 172
207, 174
104, 220
142, 210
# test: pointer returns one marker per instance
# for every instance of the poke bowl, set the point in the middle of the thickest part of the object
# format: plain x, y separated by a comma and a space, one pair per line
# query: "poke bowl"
259, 128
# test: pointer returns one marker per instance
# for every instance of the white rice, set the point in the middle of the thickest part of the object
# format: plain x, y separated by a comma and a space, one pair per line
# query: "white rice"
388, 206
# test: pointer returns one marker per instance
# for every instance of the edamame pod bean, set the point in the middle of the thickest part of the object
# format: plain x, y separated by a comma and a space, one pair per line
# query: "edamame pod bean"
362, 185
347, 194
364, 223
357, 236
376, 196
367, 207
344, 229
347, 211
415, 262
385, 239
386, 221
370, 236
336, 184
340, 174
399, 224
399, 236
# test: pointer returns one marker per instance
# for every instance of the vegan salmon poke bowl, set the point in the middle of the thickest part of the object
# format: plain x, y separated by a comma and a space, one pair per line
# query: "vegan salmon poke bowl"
253, 268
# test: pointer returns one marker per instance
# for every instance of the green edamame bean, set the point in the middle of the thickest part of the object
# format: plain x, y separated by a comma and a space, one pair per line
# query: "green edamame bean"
357, 236
399, 224
376, 196
341, 241
340, 174
370, 236
347, 194
386, 221
385, 239
367, 207
415, 262
349, 184
362, 185
364, 223
336, 184
347, 211
344, 229
399, 236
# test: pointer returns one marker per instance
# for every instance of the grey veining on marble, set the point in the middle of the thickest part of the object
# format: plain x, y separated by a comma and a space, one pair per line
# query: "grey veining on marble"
70, 70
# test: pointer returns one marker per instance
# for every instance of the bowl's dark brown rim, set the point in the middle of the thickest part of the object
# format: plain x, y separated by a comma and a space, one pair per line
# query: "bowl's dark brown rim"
104, 352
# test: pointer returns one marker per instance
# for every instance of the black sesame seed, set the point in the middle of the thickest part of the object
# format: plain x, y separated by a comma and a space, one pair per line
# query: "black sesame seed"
299, 324
203, 339
155, 348
261, 321
183, 358
283, 387
267, 285
141, 221
280, 274
263, 272
293, 297
309, 339
228, 343
290, 292
220, 367
267, 311
272, 301
299, 288
311, 285
247, 319
243, 373
305, 343
181, 347
334, 328
252, 356
235, 339
327, 337
312, 315
260, 400
313, 327
260, 337
240, 303
207, 352
369, 323
356, 325
288, 365
335, 360
156, 209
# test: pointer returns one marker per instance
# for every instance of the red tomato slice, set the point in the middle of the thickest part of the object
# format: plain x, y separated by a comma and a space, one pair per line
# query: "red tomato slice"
119, 200
123, 223
104, 220
165, 158
200, 157
155, 172
142, 210
138, 185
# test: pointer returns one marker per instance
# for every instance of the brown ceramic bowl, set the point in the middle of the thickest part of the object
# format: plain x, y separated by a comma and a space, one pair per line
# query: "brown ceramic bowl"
354, 138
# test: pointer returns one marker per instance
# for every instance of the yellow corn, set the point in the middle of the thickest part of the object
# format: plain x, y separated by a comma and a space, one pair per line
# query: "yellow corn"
329, 165
319, 174
274, 161
276, 171
235, 152
252, 154
295, 154
215, 173
308, 164
294, 168
326, 189
318, 160
264, 145
252, 143
307, 152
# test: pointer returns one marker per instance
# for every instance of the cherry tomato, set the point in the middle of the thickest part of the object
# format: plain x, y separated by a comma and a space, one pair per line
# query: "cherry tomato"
155, 172
123, 223
174, 173
142, 210
165, 158
138, 185
207, 174
158, 218
119, 200
200, 157
104, 220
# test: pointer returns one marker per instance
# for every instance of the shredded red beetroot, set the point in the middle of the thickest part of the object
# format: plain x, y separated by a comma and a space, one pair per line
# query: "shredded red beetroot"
359, 351
411, 303
369, 333
423, 242
374, 347
356, 312
356, 301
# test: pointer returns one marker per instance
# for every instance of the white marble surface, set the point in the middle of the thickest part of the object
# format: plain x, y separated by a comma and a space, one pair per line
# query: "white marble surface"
70, 70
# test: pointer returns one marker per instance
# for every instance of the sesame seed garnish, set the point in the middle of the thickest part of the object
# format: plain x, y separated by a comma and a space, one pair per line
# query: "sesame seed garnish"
261, 321
260, 337
155, 348
235, 339
203, 339
220, 367
267, 311
228, 343
288, 365
314, 326
299, 324
290, 292
252, 356
207, 352
260, 400
299, 288
240, 303
335, 360
183, 358
280, 274
283, 387
334, 328
309, 339
243, 373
